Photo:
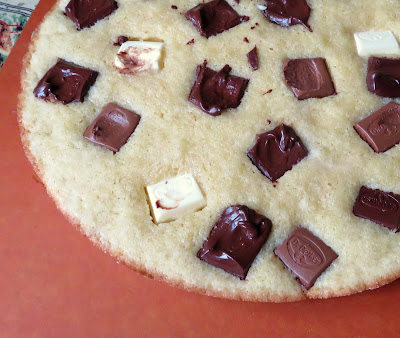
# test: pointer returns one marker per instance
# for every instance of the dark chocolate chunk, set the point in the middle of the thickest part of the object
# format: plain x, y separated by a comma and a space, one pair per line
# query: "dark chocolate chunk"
174, 7
378, 206
305, 255
288, 13
383, 77
120, 40
381, 130
235, 240
112, 127
65, 82
252, 57
85, 13
213, 91
214, 17
308, 78
277, 151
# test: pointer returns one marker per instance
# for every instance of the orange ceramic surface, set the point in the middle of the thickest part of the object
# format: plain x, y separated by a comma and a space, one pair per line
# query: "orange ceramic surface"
55, 283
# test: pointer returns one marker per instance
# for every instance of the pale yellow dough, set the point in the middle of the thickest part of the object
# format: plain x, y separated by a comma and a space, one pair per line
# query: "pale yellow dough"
105, 193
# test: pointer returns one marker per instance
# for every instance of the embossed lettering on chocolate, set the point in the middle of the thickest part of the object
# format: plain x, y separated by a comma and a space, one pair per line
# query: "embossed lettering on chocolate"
383, 77
235, 240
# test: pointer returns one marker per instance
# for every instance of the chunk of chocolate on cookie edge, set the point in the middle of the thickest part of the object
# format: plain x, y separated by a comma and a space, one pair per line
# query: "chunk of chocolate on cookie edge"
65, 82
214, 17
252, 57
287, 13
277, 151
235, 240
383, 77
305, 255
85, 13
112, 127
308, 78
214, 91
378, 206
381, 130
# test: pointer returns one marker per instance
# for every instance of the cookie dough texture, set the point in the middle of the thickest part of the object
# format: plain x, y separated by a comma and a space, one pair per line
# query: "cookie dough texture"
104, 193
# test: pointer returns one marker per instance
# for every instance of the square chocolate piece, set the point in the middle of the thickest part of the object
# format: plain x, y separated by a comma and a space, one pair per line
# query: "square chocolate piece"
308, 78
383, 77
305, 255
214, 17
214, 91
112, 127
85, 13
378, 206
235, 240
381, 130
65, 82
277, 151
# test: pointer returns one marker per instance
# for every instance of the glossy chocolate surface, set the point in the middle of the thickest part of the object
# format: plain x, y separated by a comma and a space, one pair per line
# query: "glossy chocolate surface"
381, 130
235, 240
383, 77
214, 91
112, 127
214, 17
277, 151
65, 82
252, 57
305, 255
308, 78
288, 13
378, 206
85, 13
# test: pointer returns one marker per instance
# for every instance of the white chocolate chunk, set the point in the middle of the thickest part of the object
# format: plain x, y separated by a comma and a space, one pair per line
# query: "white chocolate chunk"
138, 56
376, 43
172, 198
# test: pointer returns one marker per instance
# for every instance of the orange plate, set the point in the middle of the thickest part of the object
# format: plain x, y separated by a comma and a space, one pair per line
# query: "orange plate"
54, 282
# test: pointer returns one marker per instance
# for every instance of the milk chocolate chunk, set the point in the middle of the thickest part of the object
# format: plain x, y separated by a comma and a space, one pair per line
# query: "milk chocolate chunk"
85, 13
112, 127
381, 130
214, 17
378, 206
308, 78
235, 240
214, 91
383, 77
305, 255
287, 13
65, 82
277, 151
252, 57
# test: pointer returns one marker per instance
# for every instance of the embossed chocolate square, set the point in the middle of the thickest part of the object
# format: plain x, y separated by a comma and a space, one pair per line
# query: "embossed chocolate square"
378, 206
65, 82
214, 91
308, 78
112, 127
277, 151
214, 17
235, 240
381, 130
305, 255
85, 13
383, 77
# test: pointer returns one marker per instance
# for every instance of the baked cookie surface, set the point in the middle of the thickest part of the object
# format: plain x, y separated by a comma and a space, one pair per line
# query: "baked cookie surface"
105, 192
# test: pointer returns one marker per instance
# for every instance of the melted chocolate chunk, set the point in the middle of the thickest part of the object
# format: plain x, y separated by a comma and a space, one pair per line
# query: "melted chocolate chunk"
112, 127
378, 206
235, 240
305, 255
120, 40
381, 130
214, 17
252, 57
277, 151
288, 13
65, 82
383, 77
85, 13
213, 91
308, 78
